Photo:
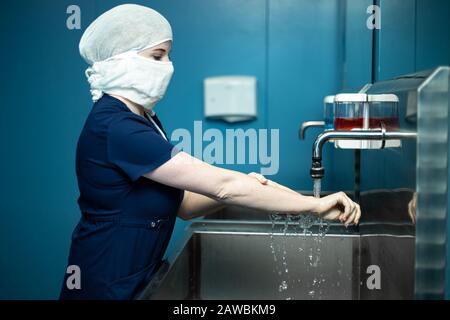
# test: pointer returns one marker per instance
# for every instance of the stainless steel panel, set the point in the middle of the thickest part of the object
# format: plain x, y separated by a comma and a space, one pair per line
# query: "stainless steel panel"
234, 260
174, 284
242, 266
394, 255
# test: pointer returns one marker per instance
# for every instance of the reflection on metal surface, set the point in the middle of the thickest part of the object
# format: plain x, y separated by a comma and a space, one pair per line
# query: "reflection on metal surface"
229, 260
425, 100
432, 173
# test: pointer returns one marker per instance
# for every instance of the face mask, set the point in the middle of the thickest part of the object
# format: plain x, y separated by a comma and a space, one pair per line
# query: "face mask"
141, 80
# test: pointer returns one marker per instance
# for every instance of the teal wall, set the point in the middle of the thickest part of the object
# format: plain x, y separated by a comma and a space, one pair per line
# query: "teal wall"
299, 50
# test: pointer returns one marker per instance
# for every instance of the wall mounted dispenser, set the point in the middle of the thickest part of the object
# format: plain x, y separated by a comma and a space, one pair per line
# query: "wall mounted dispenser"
230, 98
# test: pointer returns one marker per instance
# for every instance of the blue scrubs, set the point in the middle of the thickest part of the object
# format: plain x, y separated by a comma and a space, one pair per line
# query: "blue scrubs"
127, 220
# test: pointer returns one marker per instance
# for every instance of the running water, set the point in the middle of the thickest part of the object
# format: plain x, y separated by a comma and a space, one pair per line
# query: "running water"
315, 255
317, 187
280, 268
303, 222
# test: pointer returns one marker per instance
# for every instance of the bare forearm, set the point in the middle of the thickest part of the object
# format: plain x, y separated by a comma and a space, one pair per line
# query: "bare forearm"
245, 191
229, 187
195, 205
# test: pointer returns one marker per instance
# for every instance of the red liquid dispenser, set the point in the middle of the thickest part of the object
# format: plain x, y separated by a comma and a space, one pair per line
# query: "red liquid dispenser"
360, 111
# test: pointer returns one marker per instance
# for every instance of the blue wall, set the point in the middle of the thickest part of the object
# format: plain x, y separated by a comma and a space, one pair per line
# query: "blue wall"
44, 102
299, 50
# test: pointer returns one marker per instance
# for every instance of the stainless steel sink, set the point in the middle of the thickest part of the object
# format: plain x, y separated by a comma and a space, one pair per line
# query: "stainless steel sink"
229, 256
234, 260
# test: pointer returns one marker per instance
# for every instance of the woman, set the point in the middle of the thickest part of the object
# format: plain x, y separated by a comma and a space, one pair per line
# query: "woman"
132, 181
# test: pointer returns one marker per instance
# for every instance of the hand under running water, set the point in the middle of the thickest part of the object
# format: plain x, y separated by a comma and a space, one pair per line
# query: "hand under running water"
338, 206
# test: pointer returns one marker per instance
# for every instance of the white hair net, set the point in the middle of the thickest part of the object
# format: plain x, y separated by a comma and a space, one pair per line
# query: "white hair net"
123, 28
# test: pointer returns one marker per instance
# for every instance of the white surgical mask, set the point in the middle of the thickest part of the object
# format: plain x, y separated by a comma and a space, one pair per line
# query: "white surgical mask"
141, 80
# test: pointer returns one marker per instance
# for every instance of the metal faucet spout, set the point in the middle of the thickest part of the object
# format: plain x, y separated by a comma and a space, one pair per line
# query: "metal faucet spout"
317, 171
309, 124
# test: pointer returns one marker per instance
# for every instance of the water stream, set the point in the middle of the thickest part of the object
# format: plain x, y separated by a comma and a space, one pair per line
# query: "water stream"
299, 226
317, 188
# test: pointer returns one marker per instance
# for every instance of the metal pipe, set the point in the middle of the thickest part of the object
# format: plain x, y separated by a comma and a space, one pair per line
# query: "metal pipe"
357, 135
309, 124
317, 171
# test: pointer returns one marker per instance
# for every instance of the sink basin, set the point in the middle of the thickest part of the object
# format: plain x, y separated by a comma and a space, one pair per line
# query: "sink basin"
234, 260
238, 253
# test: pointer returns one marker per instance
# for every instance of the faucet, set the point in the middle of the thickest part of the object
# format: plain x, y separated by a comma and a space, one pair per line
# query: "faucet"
317, 171
309, 124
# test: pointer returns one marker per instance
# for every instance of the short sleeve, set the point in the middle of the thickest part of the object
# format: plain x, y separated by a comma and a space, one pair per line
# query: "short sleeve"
135, 147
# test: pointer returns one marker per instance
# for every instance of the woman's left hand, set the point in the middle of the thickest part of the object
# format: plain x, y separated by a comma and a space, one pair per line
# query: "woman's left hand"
259, 177
263, 180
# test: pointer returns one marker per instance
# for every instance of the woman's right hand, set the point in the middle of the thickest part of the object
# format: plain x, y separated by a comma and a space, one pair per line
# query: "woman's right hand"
338, 206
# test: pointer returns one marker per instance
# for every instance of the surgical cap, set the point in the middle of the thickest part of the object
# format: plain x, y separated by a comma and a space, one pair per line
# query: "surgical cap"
123, 28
